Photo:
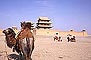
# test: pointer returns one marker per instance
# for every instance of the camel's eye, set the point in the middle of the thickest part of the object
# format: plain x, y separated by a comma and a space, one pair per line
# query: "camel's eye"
7, 31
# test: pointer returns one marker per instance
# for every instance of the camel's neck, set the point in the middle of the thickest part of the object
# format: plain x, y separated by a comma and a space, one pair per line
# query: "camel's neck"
25, 33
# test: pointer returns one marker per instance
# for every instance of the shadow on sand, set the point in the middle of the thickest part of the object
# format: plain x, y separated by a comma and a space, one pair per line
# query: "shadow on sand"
15, 57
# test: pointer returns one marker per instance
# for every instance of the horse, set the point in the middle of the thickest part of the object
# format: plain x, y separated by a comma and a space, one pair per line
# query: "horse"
71, 38
11, 41
57, 37
26, 40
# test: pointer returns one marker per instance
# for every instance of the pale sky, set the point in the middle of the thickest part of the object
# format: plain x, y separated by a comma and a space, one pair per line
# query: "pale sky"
65, 14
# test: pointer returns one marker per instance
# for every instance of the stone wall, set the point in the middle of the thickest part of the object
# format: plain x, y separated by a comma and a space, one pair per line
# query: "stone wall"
48, 32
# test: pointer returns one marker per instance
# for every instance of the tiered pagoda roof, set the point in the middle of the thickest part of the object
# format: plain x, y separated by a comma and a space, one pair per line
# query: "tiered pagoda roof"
44, 22
44, 18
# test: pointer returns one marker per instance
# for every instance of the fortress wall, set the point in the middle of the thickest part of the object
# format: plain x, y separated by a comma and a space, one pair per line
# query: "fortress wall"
47, 32
65, 33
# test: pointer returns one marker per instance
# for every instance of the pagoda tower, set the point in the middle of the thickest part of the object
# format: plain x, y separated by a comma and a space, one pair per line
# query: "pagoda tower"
44, 23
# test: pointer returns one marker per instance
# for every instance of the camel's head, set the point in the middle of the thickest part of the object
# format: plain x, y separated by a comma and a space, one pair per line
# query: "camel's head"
9, 31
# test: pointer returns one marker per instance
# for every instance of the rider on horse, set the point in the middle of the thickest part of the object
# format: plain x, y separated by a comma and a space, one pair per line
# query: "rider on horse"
57, 37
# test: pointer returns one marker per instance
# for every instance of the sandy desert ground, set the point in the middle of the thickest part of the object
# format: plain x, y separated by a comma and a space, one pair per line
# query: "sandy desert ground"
47, 49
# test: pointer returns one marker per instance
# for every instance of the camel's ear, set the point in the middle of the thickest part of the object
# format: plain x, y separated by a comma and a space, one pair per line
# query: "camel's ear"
20, 22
